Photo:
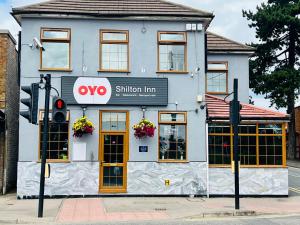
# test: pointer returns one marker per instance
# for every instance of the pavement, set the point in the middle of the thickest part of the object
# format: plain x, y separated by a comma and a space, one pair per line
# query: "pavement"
126, 209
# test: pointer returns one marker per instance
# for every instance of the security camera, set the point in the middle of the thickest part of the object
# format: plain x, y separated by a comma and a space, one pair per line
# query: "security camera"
38, 44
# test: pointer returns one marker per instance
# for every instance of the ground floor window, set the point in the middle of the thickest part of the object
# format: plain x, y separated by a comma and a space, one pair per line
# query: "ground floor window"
259, 144
172, 136
58, 139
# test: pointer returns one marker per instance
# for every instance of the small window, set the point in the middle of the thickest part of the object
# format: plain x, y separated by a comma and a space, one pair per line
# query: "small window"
56, 54
217, 78
172, 136
172, 52
58, 139
114, 51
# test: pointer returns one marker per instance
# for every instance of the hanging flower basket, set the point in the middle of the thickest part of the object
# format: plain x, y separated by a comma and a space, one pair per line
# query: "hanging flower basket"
144, 128
82, 126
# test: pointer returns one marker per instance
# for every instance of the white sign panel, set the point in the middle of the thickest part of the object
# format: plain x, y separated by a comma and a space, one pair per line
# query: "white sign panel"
79, 151
89, 90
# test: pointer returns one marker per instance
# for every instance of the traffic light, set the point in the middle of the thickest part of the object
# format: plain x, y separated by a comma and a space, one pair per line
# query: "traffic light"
59, 110
32, 103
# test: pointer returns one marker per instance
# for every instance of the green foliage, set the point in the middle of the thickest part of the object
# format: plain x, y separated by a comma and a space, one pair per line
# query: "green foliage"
274, 69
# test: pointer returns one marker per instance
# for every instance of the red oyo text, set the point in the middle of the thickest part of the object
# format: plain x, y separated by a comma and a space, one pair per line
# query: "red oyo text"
91, 90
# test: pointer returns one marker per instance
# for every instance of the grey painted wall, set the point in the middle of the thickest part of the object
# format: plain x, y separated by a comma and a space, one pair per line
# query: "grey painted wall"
183, 88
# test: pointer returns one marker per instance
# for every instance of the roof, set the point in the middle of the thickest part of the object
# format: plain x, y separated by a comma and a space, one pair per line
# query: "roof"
218, 43
6, 32
112, 8
218, 109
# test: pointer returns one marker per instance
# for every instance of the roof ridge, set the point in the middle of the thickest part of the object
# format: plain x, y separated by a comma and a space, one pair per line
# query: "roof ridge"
236, 42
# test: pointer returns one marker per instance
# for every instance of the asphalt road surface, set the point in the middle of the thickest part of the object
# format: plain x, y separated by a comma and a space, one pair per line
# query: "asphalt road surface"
294, 181
271, 220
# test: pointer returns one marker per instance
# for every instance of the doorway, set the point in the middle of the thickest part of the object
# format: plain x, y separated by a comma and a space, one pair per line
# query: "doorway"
113, 151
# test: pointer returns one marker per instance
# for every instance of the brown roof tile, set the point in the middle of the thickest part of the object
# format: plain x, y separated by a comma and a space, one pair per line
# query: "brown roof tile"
219, 43
113, 8
219, 109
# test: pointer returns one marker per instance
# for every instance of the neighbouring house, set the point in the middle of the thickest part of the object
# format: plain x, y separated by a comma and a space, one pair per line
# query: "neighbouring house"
123, 62
9, 111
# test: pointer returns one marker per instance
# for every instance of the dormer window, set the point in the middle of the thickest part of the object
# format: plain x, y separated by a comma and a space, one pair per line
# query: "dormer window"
217, 78
172, 52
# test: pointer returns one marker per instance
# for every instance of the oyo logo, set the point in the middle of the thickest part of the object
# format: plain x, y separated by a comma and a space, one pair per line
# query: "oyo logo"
88, 90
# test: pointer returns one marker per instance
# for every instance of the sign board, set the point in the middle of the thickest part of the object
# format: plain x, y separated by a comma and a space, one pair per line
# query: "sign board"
79, 151
143, 148
115, 91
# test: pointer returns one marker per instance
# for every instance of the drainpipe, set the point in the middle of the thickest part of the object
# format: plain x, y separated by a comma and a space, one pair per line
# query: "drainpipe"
207, 167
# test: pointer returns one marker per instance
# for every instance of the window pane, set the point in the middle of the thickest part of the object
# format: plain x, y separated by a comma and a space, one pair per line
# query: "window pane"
216, 66
216, 82
56, 55
171, 57
247, 129
114, 36
57, 147
247, 147
270, 150
172, 142
113, 121
172, 37
219, 149
114, 57
55, 34
219, 128
172, 117
270, 129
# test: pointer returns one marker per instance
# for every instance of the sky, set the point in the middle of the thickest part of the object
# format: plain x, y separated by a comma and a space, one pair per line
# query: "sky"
228, 21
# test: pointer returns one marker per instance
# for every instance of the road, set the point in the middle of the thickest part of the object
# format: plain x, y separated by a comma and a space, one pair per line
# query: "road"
294, 181
266, 220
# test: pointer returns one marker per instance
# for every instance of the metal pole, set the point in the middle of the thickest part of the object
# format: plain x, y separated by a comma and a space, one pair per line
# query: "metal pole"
45, 144
235, 144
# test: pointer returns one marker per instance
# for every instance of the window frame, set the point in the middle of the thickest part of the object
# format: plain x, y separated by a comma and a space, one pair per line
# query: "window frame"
41, 117
55, 40
257, 135
173, 123
215, 71
101, 42
172, 42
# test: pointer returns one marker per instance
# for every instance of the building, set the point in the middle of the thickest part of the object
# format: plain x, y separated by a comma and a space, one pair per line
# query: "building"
9, 111
117, 62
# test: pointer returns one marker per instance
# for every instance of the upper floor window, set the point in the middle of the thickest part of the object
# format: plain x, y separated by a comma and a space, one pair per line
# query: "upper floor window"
114, 51
172, 52
56, 43
217, 78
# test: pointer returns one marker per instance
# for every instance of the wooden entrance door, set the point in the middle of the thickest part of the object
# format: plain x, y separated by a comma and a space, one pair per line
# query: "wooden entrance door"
113, 152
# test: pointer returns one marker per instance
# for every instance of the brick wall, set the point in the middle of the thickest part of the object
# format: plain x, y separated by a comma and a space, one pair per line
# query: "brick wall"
9, 90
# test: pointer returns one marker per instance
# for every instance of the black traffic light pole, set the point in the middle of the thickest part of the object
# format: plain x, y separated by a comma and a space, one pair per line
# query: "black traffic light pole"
236, 118
45, 142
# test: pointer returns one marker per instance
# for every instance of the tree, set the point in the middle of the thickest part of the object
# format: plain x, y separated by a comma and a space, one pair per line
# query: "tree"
274, 68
